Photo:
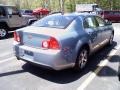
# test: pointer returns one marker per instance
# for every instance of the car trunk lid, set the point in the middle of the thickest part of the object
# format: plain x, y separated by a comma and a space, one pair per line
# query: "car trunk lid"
34, 36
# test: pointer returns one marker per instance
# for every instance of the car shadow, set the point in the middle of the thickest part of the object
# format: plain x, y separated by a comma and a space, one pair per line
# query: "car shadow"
110, 72
107, 72
69, 75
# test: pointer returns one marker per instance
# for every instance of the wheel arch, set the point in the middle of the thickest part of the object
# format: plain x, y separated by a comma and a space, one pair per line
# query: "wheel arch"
82, 44
4, 24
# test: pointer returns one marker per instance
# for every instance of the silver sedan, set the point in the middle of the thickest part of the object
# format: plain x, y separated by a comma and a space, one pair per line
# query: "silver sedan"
60, 41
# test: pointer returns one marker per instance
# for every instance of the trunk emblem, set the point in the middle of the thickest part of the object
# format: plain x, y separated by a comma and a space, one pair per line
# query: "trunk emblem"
30, 36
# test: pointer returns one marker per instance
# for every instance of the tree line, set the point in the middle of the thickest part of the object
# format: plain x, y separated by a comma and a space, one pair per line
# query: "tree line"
55, 5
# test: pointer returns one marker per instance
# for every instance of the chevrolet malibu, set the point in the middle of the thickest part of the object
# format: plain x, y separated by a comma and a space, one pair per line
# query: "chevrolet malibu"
60, 41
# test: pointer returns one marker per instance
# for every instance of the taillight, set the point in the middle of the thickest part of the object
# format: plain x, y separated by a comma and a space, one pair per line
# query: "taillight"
51, 43
16, 37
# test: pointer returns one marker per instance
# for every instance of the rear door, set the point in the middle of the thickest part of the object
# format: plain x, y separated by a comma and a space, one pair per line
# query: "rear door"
91, 27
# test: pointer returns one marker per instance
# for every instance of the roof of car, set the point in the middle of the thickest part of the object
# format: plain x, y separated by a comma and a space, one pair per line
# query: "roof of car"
75, 14
84, 13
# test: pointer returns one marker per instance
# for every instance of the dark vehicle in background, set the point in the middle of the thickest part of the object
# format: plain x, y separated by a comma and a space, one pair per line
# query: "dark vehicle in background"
11, 18
60, 41
26, 12
111, 15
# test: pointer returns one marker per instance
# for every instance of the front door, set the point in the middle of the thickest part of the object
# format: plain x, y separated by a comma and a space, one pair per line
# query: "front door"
91, 27
104, 29
15, 20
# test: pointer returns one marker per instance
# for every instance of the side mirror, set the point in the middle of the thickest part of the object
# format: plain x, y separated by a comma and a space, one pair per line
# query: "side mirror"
108, 22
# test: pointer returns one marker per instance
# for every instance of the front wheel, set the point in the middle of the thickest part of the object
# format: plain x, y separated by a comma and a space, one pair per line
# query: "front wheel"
81, 59
3, 32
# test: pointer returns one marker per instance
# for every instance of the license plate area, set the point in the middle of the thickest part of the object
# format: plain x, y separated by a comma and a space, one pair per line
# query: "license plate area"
28, 53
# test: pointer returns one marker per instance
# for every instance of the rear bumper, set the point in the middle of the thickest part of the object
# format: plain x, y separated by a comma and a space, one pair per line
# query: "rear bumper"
46, 58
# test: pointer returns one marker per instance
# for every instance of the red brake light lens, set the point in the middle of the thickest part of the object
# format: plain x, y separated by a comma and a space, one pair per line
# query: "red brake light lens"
52, 43
16, 37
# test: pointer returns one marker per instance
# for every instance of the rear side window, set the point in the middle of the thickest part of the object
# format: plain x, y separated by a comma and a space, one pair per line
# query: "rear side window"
90, 22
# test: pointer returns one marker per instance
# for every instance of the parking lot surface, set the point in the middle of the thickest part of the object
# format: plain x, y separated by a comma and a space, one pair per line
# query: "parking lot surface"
100, 73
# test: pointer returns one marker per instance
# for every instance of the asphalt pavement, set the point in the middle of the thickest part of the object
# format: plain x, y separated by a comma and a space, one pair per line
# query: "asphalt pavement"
101, 72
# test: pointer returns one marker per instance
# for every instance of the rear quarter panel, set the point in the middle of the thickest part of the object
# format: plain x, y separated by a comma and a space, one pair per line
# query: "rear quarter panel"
73, 40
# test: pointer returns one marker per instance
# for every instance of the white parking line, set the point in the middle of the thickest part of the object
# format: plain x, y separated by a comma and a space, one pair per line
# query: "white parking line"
94, 74
8, 59
5, 54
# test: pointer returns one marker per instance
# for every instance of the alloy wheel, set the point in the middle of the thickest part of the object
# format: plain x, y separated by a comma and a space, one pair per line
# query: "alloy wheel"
83, 58
3, 32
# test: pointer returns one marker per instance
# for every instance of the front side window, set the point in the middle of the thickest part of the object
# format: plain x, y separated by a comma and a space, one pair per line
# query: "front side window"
90, 22
100, 21
54, 21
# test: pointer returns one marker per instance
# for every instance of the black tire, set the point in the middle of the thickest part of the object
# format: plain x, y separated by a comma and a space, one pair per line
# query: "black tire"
119, 72
82, 59
3, 32
111, 40
119, 76
17, 58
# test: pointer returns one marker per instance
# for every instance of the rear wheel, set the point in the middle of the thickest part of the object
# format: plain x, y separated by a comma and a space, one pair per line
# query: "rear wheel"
3, 32
81, 59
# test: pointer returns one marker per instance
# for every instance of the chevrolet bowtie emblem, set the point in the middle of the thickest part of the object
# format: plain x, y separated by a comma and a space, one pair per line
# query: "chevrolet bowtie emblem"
30, 36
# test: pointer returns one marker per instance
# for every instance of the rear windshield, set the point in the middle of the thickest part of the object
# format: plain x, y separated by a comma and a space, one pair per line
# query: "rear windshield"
54, 21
